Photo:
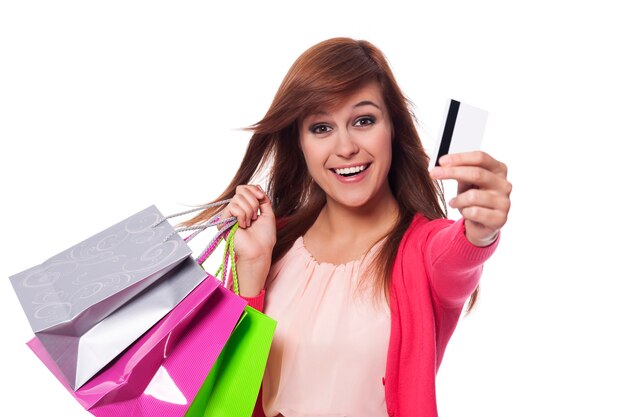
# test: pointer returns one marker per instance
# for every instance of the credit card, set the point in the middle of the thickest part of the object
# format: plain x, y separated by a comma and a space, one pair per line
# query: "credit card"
462, 130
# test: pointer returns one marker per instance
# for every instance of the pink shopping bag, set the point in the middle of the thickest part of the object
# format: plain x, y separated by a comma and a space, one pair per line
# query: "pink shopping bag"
160, 374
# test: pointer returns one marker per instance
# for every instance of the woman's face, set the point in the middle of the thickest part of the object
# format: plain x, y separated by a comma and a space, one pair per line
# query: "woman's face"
348, 148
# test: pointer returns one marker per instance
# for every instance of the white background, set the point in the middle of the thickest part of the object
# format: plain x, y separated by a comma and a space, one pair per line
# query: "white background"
108, 107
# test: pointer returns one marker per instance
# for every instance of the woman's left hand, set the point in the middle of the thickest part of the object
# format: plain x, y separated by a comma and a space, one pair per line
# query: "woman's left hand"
483, 193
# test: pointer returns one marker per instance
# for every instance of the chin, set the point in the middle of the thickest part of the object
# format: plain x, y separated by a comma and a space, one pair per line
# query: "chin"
355, 202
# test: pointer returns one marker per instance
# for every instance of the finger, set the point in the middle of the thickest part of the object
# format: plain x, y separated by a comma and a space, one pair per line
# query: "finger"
241, 213
249, 198
255, 190
476, 176
259, 192
488, 218
265, 207
241, 208
481, 198
475, 158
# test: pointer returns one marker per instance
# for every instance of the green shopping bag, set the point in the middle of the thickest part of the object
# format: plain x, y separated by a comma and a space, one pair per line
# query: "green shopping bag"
232, 386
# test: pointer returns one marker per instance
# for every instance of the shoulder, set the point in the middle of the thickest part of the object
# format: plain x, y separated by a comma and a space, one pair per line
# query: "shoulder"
422, 228
432, 238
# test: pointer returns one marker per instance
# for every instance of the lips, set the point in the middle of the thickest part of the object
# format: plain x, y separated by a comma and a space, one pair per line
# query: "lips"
350, 171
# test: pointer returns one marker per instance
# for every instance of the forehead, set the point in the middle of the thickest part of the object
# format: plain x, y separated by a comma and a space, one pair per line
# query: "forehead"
369, 94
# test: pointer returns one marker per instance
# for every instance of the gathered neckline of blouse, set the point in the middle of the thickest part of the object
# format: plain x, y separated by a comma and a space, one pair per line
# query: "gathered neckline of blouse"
355, 262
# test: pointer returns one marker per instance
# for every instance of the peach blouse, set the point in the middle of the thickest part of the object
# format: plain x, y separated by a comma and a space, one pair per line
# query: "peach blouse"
329, 351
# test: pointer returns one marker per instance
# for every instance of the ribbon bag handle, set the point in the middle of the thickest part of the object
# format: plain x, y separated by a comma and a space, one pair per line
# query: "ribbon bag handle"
202, 207
208, 250
227, 233
198, 228
229, 257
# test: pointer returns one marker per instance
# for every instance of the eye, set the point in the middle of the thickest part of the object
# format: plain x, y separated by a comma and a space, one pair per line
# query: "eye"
364, 121
320, 128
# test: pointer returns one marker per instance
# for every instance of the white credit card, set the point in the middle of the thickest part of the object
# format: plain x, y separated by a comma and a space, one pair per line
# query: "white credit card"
461, 131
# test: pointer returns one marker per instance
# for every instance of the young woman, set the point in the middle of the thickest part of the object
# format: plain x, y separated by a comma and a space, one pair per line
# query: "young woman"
349, 249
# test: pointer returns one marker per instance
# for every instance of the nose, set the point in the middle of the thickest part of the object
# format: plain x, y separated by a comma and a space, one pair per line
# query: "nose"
345, 145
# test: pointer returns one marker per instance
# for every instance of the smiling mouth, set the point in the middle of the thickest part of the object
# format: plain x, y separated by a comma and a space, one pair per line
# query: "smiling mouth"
350, 172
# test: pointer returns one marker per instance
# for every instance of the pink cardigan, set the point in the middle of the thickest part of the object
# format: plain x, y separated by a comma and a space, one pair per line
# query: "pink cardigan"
435, 271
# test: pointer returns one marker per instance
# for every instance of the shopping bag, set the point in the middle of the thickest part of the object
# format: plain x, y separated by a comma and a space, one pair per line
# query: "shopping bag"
125, 277
232, 387
161, 373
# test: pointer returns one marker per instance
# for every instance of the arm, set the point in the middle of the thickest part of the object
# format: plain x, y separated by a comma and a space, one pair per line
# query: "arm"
254, 240
455, 254
453, 263
483, 195
257, 302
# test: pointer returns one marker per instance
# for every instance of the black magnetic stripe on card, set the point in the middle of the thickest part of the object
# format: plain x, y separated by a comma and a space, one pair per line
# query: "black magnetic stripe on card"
448, 130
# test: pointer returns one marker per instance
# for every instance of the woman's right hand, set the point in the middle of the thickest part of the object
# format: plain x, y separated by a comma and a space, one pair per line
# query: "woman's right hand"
255, 238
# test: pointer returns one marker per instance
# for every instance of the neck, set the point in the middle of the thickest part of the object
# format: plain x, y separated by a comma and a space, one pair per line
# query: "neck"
375, 219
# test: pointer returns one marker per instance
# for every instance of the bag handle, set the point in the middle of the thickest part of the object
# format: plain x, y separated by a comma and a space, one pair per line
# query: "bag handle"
208, 250
202, 207
198, 228
229, 255
227, 233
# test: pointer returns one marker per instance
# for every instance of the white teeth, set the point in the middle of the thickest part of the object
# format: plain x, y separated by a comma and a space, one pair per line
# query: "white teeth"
351, 170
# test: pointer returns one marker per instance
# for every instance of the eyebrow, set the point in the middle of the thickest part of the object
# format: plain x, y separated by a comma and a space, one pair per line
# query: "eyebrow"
359, 104
366, 103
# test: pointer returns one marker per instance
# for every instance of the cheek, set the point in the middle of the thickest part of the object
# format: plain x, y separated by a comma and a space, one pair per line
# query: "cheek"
314, 154
306, 152
311, 158
384, 148
385, 152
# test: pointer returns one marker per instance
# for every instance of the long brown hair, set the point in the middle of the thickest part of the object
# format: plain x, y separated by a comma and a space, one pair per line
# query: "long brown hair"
323, 76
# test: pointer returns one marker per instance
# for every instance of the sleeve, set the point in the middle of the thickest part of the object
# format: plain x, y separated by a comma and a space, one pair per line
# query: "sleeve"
454, 265
258, 406
256, 302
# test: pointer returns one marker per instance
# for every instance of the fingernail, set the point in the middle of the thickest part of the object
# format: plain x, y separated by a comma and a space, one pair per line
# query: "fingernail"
444, 160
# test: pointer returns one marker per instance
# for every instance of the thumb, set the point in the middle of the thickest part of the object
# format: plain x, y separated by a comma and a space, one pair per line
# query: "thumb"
265, 206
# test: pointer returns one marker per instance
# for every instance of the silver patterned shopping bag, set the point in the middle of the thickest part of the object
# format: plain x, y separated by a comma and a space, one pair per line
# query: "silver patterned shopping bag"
90, 302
